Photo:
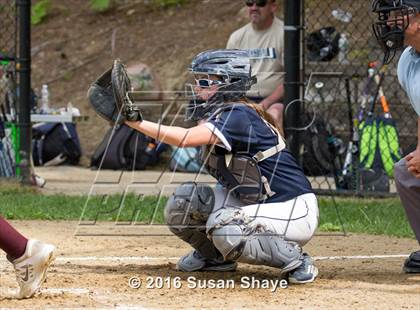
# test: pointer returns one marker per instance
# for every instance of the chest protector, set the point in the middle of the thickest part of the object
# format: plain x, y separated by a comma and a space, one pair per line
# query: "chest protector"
240, 173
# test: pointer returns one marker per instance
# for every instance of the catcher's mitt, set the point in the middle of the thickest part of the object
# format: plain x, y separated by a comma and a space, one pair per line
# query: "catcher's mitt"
109, 97
121, 86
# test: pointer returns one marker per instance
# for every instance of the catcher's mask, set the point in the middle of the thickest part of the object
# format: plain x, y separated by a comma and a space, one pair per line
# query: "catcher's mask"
227, 76
393, 18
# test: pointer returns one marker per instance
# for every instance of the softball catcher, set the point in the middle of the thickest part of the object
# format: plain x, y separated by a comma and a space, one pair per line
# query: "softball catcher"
263, 209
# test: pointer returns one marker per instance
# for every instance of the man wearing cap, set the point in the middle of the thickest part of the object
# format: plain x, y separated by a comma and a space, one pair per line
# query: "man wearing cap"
264, 30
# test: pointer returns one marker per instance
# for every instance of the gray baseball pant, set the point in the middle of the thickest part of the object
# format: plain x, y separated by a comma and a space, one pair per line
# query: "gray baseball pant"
408, 186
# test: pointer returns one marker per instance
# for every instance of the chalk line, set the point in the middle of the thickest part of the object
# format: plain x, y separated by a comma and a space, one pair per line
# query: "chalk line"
72, 290
12, 293
151, 258
75, 259
360, 257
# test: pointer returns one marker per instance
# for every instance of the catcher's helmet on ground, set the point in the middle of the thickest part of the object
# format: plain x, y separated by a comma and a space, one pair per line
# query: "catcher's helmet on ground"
393, 18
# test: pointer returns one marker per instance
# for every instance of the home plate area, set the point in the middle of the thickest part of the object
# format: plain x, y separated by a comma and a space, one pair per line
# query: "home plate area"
138, 272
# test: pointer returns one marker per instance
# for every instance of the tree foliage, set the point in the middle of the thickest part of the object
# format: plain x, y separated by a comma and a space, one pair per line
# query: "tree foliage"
100, 5
39, 11
168, 3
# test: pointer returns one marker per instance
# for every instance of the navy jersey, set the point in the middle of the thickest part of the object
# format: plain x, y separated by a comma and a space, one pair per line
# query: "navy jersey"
242, 131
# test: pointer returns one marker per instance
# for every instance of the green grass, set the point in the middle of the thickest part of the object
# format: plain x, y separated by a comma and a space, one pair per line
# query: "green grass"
380, 216
371, 216
168, 3
100, 5
24, 206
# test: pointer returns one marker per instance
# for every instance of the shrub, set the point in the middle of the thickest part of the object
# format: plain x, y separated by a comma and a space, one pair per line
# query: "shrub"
168, 3
39, 11
100, 5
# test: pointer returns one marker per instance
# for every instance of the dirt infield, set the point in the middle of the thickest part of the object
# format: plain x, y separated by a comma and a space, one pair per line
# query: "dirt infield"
94, 272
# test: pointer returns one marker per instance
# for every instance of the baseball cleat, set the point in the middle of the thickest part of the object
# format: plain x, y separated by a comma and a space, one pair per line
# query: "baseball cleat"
305, 273
412, 263
194, 261
31, 267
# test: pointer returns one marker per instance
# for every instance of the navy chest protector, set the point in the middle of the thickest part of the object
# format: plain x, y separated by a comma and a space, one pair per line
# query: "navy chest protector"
240, 173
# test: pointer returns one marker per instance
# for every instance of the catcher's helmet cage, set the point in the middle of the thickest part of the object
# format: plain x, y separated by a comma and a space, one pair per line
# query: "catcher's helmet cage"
393, 18
234, 70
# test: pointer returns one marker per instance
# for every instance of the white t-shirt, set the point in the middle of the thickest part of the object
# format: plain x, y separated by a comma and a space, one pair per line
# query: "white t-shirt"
409, 76
269, 72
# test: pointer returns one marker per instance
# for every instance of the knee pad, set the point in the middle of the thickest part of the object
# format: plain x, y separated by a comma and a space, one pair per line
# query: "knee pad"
237, 240
229, 240
186, 214
227, 229
190, 205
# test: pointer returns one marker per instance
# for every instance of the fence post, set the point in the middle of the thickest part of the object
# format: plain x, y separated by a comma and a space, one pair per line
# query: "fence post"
292, 81
24, 73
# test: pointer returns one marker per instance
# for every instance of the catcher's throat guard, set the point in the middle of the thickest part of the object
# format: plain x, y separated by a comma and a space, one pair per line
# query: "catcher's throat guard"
109, 96
393, 18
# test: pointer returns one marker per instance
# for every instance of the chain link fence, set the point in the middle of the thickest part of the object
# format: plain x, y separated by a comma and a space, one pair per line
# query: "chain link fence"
350, 138
8, 94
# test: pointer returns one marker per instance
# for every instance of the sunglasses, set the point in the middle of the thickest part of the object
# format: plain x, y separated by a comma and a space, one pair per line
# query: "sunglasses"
259, 3
207, 82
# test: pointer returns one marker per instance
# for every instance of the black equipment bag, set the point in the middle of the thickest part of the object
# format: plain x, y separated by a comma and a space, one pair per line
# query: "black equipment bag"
320, 147
322, 44
55, 143
125, 148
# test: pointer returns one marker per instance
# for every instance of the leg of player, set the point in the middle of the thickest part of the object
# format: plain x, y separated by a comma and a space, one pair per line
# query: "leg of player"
268, 234
30, 258
408, 187
186, 214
